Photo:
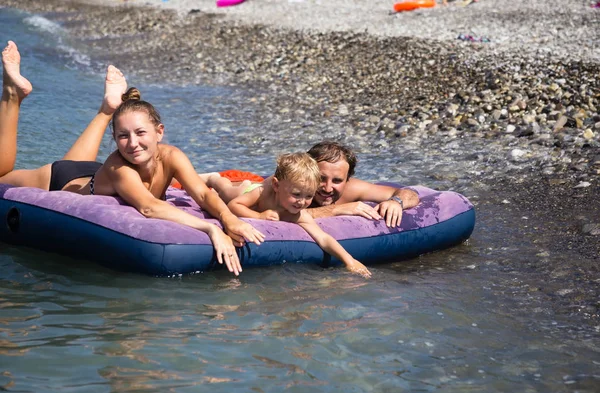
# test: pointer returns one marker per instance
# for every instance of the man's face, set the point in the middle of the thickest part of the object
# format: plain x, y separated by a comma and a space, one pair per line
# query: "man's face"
334, 177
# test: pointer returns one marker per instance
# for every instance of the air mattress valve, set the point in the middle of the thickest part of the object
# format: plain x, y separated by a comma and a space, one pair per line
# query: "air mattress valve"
13, 219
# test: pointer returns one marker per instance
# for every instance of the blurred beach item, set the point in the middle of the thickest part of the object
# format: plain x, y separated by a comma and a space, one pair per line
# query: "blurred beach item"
411, 5
468, 37
228, 3
597, 5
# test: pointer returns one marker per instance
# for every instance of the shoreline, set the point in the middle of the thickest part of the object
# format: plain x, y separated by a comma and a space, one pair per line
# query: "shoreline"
508, 25
525, 123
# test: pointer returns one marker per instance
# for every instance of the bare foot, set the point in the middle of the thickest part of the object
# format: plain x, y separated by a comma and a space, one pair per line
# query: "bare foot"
212, 179
114, 87
12, 80
223, 186
243, 185
216, 181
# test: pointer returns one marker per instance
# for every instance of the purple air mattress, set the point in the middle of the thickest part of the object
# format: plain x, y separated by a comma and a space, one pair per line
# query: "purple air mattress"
105, 230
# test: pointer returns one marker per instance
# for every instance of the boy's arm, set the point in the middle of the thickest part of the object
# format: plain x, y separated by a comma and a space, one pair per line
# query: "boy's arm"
240, 206
245, 205
330, 245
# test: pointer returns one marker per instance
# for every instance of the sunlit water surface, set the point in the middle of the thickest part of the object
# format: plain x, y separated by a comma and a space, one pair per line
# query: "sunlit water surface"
454, 321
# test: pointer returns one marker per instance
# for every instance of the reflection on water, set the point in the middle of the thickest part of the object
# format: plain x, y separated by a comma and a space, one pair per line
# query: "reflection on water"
458, 320
452, 320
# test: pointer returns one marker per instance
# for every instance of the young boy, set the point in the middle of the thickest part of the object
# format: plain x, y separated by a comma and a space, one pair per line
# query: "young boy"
286, 196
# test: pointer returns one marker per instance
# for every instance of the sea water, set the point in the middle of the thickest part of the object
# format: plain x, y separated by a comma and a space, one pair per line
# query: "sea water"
457, 320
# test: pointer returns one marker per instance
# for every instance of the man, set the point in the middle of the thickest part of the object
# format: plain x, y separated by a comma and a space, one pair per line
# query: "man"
340, 194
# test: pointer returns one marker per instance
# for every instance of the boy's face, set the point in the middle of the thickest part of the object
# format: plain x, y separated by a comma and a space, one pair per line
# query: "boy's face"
293, 196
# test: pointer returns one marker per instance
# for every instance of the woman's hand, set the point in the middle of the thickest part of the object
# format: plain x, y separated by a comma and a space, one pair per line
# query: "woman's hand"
240, 231
270, 215
224, 249
358, 268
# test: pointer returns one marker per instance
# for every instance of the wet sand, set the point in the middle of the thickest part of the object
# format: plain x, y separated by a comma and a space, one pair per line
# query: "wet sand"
532, 103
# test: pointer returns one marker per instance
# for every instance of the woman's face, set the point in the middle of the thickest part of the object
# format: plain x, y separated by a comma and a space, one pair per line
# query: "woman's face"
137, 137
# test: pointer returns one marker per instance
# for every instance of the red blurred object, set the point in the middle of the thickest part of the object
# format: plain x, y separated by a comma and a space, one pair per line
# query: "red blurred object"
411, 5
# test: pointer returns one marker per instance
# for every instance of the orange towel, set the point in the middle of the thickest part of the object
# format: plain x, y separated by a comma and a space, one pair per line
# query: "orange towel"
234, 175
237, 175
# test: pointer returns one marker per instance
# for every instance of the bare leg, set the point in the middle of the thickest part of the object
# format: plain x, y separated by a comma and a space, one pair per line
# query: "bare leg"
14, 90
87, 145
223, 186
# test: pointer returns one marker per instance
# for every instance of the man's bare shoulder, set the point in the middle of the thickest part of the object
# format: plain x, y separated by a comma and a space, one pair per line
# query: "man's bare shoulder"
360, 190
354, 190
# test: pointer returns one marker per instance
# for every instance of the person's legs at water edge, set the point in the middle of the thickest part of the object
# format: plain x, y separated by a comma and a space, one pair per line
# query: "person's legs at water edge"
15, 89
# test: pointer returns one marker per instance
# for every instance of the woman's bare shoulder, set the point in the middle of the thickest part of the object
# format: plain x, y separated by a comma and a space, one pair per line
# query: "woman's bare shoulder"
169, 152
114, 160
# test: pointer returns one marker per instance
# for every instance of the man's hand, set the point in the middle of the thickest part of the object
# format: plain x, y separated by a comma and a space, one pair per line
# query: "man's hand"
356, 209
392, 211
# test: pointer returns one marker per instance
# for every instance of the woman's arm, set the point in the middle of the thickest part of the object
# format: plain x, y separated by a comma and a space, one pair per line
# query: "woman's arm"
330, 245
128, 185
184, 172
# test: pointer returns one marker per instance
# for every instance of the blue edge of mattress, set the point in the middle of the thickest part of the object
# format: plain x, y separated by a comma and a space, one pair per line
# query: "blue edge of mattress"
119, 251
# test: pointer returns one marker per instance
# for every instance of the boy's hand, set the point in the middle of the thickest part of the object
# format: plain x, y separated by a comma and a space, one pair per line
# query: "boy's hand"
358, 268
270, 215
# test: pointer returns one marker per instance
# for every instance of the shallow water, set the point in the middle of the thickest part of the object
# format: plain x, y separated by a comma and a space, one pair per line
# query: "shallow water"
464, 319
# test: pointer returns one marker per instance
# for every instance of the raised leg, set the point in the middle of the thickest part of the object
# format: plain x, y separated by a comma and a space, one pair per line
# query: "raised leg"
14, 90
86, 147
223, 186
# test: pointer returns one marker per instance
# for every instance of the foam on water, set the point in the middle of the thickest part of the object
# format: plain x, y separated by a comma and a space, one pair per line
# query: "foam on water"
43, 24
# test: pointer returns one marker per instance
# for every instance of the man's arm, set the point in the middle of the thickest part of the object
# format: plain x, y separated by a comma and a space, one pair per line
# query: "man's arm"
392, 201
345, 209
357, 191
360, 190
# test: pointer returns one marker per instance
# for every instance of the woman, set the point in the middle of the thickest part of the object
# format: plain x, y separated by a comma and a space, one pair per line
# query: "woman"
139, 171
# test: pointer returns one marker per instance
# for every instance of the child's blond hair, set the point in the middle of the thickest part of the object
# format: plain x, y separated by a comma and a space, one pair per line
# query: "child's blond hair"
298, 168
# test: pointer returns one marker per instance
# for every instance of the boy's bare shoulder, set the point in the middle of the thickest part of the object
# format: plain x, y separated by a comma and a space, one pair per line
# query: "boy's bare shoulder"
266, 198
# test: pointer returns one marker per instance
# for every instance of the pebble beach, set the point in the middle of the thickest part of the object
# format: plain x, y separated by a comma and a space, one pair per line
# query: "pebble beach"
516, 100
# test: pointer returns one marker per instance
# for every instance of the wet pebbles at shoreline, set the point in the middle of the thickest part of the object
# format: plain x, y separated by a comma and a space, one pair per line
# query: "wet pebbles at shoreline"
527, 113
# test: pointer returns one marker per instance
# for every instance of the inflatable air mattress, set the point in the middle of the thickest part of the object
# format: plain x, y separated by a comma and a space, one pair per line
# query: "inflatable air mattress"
106, 231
